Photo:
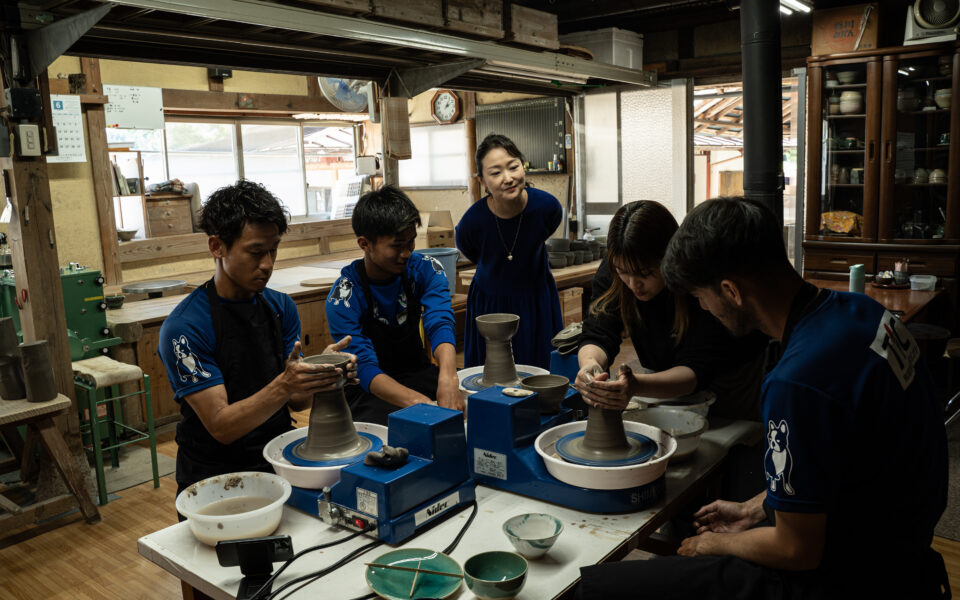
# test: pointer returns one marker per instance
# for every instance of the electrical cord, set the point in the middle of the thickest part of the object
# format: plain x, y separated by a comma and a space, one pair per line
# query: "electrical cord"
269, 582
311, 577
448, 549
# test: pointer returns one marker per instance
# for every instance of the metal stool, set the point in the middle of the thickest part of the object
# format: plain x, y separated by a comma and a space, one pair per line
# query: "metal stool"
97, 382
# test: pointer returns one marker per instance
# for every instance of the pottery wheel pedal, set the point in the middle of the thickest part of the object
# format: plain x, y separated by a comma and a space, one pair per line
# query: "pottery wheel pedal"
395, 501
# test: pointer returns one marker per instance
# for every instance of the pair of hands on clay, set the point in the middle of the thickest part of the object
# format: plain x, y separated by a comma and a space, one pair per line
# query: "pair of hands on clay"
597, 389
302, 380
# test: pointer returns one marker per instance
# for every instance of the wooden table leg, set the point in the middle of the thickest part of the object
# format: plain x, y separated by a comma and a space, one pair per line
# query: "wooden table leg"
191, 593
28, 465
57, 448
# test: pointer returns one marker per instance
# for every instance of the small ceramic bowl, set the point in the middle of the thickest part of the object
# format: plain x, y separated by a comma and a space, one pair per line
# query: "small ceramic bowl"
495, 575
846, 76
558, 245
550, 389
126, 235
114, 302
532, 534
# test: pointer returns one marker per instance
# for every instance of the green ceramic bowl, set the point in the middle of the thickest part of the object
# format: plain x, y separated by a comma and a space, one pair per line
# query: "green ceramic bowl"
495, 575
394, 584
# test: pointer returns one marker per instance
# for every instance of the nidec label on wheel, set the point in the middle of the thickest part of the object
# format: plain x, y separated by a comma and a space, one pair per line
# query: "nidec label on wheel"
441, 506
489, 463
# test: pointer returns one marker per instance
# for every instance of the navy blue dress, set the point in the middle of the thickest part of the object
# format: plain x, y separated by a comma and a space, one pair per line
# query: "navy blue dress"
523, 286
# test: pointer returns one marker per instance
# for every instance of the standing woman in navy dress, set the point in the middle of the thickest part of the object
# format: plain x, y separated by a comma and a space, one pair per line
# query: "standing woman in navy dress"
503, 233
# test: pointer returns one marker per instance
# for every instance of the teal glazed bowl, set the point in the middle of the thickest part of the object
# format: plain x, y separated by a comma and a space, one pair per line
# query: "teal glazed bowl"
495, 575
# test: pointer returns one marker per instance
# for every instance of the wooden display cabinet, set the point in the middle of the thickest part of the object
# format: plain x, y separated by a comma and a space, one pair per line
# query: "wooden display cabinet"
899, 139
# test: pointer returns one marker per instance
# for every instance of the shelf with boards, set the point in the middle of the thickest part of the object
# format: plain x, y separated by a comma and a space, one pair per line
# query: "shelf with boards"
850, 116
845, 185
925, 111
846, 86
935, 184
857, 151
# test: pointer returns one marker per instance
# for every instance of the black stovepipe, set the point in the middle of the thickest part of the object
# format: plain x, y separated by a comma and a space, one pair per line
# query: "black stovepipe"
762, 104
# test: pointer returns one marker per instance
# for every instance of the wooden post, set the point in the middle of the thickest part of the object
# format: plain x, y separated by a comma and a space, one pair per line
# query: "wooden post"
102, 174
470, 127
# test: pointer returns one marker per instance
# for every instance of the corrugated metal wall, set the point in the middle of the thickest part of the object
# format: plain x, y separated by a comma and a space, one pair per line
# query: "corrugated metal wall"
535, 126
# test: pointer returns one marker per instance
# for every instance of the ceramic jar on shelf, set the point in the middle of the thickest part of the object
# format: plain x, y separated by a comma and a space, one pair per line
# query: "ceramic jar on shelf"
851, 102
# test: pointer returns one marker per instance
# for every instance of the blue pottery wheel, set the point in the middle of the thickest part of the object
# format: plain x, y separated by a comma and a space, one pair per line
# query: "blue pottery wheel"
289, 453
641, 450
474, 383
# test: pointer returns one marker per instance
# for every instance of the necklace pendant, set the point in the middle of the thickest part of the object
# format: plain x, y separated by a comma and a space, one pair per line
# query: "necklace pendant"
510, 257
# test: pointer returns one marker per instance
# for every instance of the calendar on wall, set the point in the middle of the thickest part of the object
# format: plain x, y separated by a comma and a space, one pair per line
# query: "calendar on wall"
68, 122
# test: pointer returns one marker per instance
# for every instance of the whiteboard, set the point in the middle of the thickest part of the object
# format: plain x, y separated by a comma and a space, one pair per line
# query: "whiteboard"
133, 107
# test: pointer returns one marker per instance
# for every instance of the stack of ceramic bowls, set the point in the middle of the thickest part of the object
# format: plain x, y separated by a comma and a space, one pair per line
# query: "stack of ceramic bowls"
938, 176
557, 252
846, 77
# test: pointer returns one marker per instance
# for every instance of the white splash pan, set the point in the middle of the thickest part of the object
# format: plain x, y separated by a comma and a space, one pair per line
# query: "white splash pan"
311, 478
605, 478
464, 373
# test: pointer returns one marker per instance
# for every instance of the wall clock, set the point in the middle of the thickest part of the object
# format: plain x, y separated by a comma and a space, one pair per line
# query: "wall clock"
445, 106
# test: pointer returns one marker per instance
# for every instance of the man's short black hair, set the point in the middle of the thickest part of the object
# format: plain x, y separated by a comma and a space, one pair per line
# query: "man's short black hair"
384, 212
229, 208
721, 238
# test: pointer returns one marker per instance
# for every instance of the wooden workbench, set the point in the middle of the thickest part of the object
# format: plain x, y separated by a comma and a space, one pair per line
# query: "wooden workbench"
138, 324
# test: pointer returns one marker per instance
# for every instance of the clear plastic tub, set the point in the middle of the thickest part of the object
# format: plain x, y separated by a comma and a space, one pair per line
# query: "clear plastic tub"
923, 282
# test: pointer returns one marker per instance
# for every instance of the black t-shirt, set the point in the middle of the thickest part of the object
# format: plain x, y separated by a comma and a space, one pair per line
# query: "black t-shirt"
707, 348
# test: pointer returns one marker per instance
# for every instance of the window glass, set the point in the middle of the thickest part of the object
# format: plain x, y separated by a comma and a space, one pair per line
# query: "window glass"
202, 153
150, 144
271, 157
439, 157
328, 154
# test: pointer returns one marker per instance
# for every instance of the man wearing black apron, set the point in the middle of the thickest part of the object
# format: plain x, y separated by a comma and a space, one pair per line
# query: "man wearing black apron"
379, 301
230, 347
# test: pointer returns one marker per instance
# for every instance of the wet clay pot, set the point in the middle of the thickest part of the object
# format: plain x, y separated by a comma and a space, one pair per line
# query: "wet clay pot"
498, 329
550, 389
331, 433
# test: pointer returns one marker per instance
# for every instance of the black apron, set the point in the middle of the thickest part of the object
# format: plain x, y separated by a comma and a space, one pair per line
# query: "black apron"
250, 355
400, 354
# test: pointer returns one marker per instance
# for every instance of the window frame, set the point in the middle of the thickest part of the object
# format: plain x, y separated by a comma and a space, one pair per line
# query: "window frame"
466, 181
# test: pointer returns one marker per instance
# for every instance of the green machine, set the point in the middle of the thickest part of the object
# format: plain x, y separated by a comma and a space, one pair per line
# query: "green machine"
83, 302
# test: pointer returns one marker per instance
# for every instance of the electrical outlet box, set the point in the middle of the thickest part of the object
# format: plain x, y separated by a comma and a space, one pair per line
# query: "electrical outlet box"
28, 140
23, 103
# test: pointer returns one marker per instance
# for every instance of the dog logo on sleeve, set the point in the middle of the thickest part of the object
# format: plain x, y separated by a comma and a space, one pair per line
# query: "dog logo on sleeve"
437, 267
342, 292
778, 462
188, 365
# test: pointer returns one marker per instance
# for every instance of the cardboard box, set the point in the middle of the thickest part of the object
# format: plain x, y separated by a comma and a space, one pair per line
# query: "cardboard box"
436, 230
571, 305
836, 30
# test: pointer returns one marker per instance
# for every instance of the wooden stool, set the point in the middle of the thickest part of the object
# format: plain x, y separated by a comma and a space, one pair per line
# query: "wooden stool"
93, 378
38, 419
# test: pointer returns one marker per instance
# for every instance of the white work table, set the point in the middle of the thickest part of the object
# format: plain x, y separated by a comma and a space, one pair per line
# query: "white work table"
587, 538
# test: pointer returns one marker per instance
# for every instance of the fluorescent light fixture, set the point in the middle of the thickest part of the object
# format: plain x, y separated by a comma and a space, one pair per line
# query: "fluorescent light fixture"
902, 72
796, 5
785, 10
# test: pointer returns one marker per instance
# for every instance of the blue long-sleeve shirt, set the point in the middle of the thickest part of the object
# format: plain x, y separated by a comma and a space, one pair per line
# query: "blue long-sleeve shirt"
347, 309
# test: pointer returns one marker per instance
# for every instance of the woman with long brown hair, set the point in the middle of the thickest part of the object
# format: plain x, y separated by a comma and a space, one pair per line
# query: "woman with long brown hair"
685, 347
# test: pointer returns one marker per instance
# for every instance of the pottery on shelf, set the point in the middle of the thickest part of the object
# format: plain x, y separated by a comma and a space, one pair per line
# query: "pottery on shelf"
847, 76
851, 102
907, 100
938, 176
943, 97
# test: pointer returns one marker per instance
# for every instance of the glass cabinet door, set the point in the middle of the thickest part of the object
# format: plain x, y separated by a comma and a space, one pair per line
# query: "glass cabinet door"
916, 138
847, 186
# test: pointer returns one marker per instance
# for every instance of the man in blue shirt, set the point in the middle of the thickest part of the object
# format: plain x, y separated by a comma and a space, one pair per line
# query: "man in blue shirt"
378, 303
855, 461
231, 347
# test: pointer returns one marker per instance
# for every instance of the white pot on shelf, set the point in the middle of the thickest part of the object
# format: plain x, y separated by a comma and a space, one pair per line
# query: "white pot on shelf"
851, 102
